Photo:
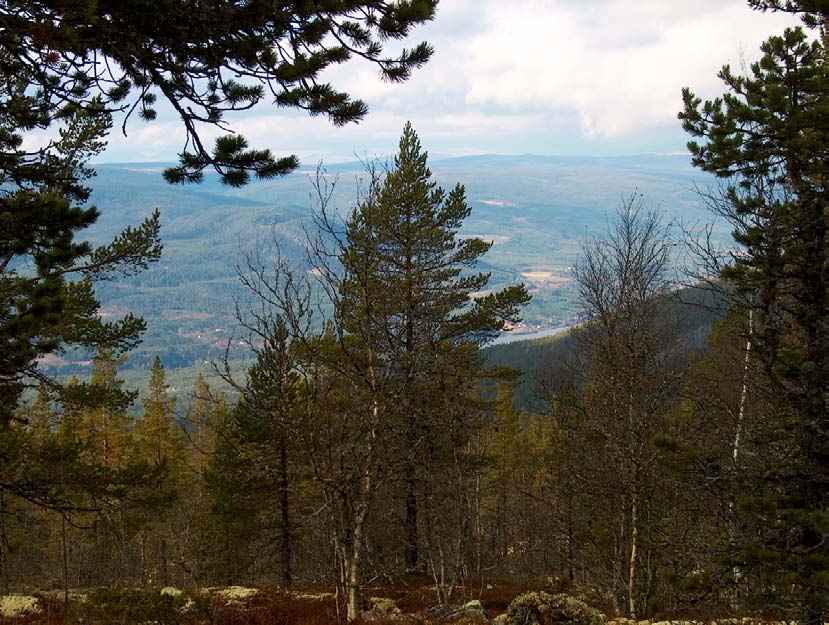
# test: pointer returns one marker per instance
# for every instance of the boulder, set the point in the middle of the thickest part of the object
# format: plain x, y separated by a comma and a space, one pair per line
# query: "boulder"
381, 610
469, 611
12, 606
541, 608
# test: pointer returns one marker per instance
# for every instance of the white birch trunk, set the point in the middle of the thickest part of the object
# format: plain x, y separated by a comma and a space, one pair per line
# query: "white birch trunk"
735, 449
634, 546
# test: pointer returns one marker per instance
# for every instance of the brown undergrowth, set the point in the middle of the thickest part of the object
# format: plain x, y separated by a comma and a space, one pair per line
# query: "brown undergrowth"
411, 600
276, 607
269, 606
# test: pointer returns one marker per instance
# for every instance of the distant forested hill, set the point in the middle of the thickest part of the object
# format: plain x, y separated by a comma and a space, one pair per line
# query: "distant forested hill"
537, 210
693, 308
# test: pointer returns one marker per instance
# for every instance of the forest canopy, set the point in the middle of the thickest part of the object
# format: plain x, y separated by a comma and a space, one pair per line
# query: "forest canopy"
370, 446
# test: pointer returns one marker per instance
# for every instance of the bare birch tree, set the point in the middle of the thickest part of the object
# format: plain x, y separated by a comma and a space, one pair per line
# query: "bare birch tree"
633, 375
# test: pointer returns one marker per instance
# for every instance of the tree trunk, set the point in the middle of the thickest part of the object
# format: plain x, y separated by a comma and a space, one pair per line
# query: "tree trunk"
412, 427
353, 596
144, 557
285, 529
353, 564
735, 456
634, 536
570, 537
412, 556
353, 560
165, 580
65, 558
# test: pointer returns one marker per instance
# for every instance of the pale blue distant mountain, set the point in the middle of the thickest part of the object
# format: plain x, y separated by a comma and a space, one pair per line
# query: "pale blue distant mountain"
536, 209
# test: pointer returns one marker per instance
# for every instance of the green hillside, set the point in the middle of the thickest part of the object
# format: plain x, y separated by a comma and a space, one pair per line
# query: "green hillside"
694, 309
537, 210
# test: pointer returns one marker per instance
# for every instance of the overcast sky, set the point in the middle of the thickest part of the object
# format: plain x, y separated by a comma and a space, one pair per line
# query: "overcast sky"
570, 77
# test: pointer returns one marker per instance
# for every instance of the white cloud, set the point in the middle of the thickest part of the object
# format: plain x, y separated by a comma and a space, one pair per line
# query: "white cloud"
521, 76
619, 64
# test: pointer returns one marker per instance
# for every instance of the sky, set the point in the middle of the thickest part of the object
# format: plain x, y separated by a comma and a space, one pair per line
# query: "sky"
558, 77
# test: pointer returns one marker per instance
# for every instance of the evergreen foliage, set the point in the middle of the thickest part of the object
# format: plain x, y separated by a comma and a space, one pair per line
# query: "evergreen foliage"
50, 304
204, 62
68, 67
650, 481
768, 137
386, 394
431, 307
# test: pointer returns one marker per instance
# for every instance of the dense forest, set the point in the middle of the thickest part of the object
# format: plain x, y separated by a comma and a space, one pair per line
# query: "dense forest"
667, 458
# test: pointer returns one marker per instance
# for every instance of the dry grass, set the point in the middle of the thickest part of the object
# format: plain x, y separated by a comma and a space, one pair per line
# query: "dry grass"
276, 607
414, 596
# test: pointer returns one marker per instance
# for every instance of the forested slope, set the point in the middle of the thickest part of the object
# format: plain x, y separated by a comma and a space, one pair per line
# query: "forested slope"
536, 210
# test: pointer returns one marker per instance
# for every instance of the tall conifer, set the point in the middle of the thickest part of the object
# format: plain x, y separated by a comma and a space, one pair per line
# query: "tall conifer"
434, 317
768, 137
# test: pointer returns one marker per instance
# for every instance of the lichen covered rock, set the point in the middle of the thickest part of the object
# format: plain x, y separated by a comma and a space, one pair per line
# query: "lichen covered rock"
12, 606
541, 608
381, 610
469, 611
235, 595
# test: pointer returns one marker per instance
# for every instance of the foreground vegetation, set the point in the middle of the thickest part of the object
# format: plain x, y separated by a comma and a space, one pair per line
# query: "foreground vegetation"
363, 445
411, 601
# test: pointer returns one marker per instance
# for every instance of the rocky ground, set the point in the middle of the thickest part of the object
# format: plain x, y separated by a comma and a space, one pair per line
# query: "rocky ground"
237, 605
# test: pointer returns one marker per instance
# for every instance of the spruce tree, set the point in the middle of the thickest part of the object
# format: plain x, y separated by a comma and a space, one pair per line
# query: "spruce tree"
232, 524
205, 415
508, 444
105, 425
159, 442
157, 436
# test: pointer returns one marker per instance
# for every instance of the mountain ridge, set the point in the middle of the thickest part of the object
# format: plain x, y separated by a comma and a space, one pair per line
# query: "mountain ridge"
536, 209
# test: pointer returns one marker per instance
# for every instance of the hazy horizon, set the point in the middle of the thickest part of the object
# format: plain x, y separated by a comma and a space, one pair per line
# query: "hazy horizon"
543, 77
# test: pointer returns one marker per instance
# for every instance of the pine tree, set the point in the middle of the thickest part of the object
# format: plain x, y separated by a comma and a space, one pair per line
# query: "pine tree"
228, 56
54, 305
768, 137
47, 280
406, 306
397, 360
68, 66
430, 324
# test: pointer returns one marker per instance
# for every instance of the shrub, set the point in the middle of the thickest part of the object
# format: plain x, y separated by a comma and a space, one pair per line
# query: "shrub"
542, 608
